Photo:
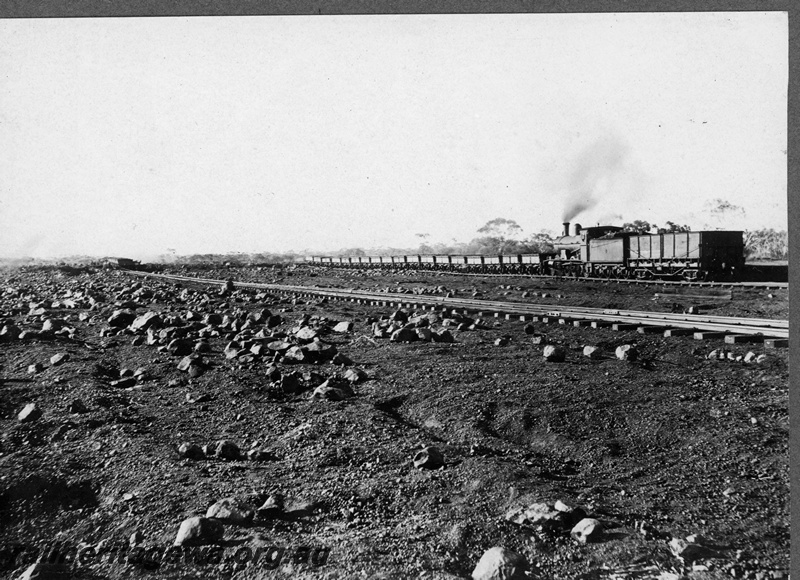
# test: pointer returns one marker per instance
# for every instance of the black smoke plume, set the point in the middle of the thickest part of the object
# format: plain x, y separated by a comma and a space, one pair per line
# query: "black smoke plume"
598, 169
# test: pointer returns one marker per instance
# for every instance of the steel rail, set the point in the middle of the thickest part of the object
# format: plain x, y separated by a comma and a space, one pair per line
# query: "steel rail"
722, 324
654, 282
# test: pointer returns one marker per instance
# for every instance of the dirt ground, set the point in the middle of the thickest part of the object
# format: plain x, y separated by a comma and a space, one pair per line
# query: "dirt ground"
658, 448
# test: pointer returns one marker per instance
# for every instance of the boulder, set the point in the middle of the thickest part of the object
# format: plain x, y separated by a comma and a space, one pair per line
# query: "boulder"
690, 551
428, 458
592, 352
43, 570
400, 316
444, 336
29, 413
121, 318
199, 531
626, 352
53, 325
342, 359
291, 383
191, 451
404, 334
77, 406
279, 346
587, 530
355, 375
273, 373
306, 334
534, 514
500, 564
332, 391
424, 334
318, 350
180, 347
59, 358
227, 450
212, 319
296, 354
230, 511
145, 321
345, 326
192, 364
554, 353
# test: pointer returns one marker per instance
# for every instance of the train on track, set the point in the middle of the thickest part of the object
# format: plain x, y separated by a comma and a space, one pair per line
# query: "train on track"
599, 251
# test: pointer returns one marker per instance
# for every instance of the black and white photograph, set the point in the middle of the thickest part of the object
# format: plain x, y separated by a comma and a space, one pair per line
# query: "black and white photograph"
449, 295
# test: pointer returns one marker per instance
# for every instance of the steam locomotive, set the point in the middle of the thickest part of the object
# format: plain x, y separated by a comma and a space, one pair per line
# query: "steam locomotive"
599, 251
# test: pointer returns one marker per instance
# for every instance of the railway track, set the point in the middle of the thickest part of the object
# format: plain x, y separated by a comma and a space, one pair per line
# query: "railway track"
773, 333
764, 285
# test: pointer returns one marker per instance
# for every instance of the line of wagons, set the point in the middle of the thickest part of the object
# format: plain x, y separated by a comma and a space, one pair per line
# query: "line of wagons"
602, 251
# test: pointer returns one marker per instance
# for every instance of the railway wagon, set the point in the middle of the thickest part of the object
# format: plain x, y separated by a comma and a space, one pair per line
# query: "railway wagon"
427, 262
442, 262
473, 263
717, 255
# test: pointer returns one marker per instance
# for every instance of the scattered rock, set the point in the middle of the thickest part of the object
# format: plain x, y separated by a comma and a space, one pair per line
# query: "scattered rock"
500, 564
429, 458
444, 336
145, 321
273, 373
121, 318
689, 552
35, 368
592, 352
332, 391
554, 353
296, 354
180, 347
191, 451
404, 334
424, 334
135, 538
626, 352
342, 359
227, 450
199, 531
306, 334
47, 571
534, 515
230, 511
260, 455
345, 326
355, 375
29, 413
291, 383
77, 406
587, 530
271, 507
59, 358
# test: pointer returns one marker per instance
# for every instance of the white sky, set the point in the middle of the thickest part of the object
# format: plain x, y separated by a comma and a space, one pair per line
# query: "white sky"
129, 136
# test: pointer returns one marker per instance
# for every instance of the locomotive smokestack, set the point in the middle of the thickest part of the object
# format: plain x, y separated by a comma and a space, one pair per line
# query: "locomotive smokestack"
577, 229
566, 228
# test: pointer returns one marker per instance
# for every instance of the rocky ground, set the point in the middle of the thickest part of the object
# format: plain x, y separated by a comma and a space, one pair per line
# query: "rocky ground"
269, 437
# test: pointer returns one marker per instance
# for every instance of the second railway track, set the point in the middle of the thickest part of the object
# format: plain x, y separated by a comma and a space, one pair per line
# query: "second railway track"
772, 332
